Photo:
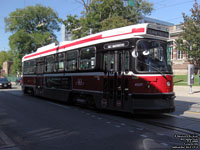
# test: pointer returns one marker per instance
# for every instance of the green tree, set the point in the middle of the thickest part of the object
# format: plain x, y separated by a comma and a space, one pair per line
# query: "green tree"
32, 27
188, 41
100, 15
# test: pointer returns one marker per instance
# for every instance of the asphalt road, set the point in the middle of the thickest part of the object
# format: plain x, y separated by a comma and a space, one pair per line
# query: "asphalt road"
32, 123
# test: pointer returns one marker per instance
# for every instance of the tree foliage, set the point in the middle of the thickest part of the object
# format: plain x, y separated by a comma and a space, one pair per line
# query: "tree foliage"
190, 37
100, 15
32, 27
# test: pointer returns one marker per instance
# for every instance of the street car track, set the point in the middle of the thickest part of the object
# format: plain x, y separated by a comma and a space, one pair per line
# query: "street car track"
170, 127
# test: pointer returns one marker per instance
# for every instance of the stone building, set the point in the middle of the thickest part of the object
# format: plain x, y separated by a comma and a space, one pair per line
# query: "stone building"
6, 68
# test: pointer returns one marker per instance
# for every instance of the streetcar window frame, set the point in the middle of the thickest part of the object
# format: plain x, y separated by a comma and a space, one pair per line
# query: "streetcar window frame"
58, 82
29, 67
136, 59
32, 66
40, 65
25, 67
91, 62
109, 61
49, 64
60, 62
69, 59
119, 57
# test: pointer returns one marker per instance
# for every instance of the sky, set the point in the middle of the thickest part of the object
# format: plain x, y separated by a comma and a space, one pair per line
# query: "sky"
165, 10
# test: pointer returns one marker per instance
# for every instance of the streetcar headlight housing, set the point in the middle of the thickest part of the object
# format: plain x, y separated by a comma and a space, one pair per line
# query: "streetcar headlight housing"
168, 83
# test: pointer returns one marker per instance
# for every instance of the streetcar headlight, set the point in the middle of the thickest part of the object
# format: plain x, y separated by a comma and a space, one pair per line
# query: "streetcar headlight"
168, 83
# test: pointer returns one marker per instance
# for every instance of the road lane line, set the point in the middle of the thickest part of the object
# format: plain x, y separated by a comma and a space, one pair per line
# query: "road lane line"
8, 142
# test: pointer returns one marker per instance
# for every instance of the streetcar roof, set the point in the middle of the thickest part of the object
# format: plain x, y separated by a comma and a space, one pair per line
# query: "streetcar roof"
137, 31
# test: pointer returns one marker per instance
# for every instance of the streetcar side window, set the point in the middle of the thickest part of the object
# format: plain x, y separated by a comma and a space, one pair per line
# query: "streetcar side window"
40, 66
60, 62
87, 58
71, 60
26, 67
32, 67
53, 82
58, 82
49, 63
29, 67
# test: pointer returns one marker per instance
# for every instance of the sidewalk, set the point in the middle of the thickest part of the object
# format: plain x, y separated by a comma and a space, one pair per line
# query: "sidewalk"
189, 102
184, 91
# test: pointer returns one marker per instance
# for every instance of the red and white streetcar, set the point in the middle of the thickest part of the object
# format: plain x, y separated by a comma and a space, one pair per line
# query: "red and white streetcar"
125, 69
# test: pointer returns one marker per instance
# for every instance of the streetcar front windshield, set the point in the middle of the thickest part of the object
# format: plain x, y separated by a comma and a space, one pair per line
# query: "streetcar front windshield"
152, 56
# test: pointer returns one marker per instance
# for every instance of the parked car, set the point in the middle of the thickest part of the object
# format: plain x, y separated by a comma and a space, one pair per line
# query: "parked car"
4, 83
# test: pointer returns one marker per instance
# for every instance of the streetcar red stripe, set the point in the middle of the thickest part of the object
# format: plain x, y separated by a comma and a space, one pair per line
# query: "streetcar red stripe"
67, 45
98, 37
137, 30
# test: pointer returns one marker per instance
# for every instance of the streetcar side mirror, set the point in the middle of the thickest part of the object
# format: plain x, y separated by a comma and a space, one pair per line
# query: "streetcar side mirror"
134, 53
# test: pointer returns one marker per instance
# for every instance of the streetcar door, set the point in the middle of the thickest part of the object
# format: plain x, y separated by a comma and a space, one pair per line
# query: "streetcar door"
115, 83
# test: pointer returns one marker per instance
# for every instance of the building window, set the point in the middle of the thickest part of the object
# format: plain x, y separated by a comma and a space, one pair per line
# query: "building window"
179, 55
87, 58
71, 60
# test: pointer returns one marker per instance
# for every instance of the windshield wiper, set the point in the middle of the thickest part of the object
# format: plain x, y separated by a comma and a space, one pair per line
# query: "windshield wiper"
154, 69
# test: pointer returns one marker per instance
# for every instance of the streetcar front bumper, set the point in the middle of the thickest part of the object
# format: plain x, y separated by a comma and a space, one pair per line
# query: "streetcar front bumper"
155, 103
